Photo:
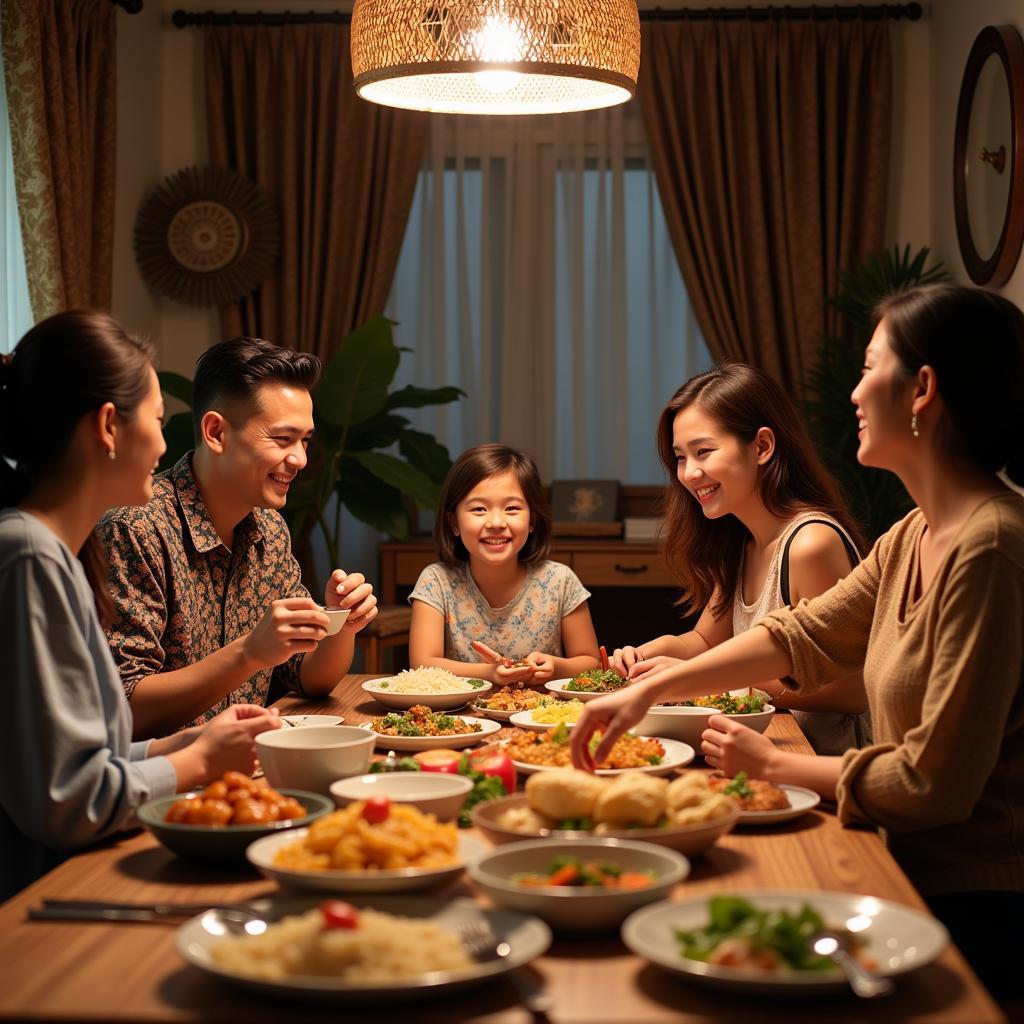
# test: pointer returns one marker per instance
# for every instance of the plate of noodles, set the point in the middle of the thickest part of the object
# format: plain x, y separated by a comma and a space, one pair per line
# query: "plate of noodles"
437, 688
386, 949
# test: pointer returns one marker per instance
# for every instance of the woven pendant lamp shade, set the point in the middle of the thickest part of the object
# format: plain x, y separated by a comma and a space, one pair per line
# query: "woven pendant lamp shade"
496, 56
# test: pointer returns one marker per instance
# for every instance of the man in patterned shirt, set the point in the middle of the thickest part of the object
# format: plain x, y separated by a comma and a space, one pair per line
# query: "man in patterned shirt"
209, 601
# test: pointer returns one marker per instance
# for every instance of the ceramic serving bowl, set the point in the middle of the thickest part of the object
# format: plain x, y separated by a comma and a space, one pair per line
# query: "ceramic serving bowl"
222, 842
577, 908
687, 724
437, 793
314, 756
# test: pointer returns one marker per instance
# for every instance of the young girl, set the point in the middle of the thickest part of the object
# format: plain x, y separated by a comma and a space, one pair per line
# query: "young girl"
753, 523
934, 616
80, 418
494, 594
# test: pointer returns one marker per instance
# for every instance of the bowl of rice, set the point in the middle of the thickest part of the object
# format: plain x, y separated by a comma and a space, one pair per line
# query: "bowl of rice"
437, 688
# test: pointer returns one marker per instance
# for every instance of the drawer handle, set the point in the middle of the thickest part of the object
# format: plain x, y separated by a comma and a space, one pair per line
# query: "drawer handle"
630, 570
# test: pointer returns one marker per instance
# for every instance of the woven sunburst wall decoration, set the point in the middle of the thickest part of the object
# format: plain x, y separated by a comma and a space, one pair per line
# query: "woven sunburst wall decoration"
205, 236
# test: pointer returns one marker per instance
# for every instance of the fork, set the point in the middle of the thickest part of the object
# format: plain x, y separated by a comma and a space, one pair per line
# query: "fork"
483, 945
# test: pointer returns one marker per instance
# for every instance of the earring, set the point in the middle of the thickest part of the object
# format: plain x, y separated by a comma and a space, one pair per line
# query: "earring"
913, 426
112, 455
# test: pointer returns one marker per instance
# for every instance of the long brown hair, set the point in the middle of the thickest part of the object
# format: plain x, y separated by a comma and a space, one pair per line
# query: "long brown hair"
64, 368
706, 553
474, 465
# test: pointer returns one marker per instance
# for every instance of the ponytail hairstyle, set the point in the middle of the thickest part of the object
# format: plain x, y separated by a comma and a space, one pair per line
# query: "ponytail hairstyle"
64, 368
705, 554
974, 341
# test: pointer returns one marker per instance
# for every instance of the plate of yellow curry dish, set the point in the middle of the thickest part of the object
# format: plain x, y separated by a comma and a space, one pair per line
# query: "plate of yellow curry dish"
369, 846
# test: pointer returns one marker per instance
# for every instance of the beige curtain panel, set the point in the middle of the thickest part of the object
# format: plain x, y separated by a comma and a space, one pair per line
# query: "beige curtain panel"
770, 141
341, 172
60, 63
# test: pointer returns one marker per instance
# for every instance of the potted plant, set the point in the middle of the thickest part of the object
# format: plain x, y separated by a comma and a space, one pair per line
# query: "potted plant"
877, 498
351, 456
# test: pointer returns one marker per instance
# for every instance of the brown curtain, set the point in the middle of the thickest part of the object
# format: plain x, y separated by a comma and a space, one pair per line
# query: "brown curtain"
60, 62
341, 171
770, 142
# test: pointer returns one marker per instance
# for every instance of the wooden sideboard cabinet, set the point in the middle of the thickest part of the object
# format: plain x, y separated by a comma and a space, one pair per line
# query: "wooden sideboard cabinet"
598, 563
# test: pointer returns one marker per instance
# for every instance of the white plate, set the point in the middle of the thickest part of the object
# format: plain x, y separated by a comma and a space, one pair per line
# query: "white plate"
557, 687
800, 802
434, 701
261, 855
525, 720
496, 714
456, 742
898, 938
526, 936
313, 719
677, 755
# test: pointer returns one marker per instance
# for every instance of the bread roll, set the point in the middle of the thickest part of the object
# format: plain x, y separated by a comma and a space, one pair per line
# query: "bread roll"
564, 793
632, 799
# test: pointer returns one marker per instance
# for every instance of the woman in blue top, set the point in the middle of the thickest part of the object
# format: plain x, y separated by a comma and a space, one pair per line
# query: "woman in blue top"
80, 432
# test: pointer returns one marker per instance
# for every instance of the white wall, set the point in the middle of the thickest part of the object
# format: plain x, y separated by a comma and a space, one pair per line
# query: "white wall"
955, 24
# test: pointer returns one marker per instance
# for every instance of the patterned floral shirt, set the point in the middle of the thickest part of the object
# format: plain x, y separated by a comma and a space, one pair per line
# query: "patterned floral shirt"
531, 621
180, 594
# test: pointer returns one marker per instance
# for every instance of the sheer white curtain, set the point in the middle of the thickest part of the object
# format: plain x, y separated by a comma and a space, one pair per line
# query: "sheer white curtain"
538, 276
14, 297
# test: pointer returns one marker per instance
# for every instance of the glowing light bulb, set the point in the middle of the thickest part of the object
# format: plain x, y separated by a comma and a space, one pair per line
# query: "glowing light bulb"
501, 42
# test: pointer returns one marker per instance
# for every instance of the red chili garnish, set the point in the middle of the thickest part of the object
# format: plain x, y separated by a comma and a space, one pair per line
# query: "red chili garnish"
377, 809
339, 914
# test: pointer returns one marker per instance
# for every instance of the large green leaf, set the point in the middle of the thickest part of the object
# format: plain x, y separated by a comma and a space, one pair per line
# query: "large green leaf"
372, 501
407, 479
355, 385
425, 453
380, 432
179, 437
176, 386
411, 397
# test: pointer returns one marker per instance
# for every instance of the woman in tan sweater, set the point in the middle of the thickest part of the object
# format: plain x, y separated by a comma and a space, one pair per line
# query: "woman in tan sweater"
934, 614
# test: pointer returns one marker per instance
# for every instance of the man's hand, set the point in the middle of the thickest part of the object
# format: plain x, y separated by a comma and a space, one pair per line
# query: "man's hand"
351, 591
291, 625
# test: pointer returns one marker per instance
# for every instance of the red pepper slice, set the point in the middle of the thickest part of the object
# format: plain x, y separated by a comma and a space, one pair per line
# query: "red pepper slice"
339, 914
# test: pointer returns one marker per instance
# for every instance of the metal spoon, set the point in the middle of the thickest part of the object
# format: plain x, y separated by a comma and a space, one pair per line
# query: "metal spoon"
836, 946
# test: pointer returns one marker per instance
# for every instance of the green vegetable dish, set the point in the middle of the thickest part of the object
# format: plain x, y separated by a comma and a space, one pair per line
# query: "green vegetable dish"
739, 935
595, 680
726, 703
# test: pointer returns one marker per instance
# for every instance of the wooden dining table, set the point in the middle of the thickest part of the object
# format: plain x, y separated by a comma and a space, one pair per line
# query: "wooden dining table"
127, 972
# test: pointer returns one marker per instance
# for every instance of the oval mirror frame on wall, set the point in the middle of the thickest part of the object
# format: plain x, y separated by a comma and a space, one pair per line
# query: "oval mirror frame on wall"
988, 176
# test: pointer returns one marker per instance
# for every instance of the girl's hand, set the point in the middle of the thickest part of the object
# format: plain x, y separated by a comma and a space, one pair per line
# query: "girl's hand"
624, 658
653, 665
733, 748
502, 670
543, 667
613, 715
350, 590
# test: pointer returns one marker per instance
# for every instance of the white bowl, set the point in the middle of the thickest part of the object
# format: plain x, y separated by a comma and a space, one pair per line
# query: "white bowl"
313, 757
687, 724
436, 793
335, 618
584, 907
434, 701
261, 855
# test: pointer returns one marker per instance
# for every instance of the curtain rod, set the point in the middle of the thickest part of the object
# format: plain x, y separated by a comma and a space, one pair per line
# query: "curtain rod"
869, 12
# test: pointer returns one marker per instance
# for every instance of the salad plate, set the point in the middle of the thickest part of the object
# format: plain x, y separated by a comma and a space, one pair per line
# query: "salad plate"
898, 938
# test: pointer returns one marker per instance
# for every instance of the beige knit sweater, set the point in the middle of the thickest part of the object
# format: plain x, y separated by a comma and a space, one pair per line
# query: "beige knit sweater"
945, 776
